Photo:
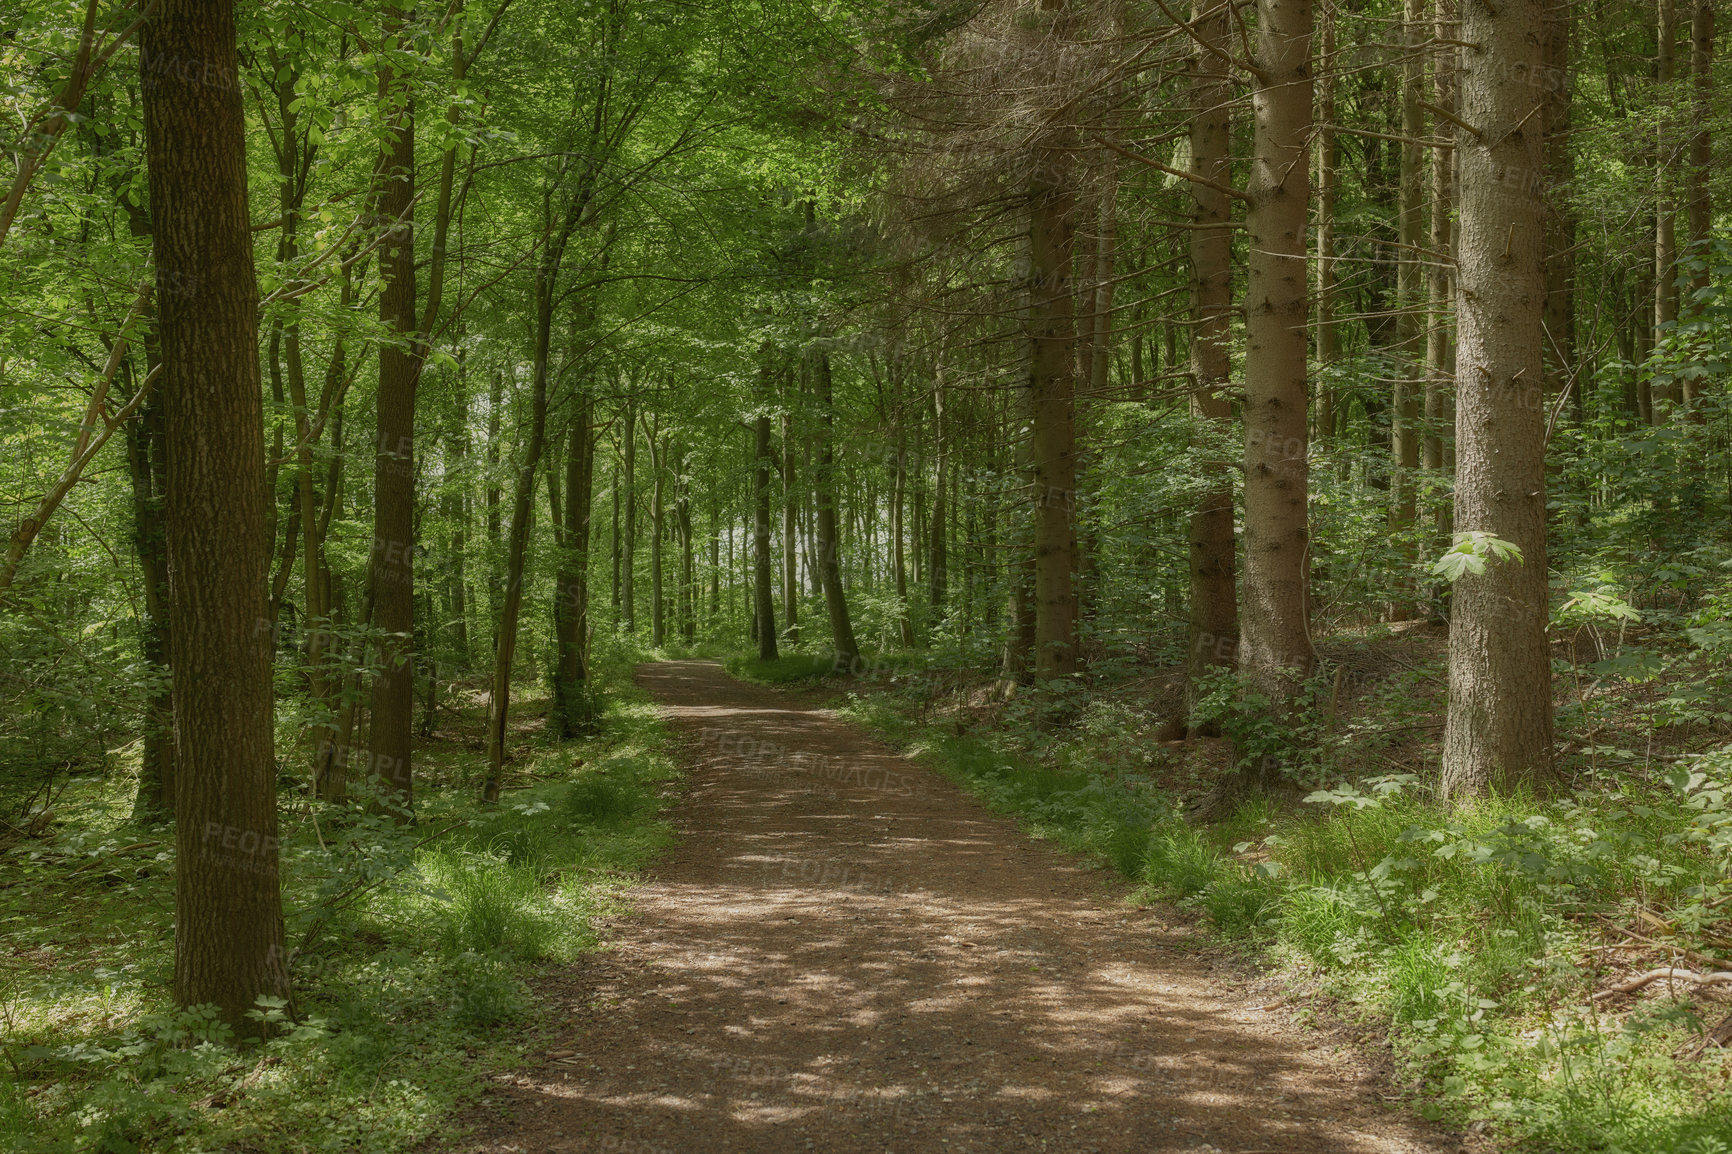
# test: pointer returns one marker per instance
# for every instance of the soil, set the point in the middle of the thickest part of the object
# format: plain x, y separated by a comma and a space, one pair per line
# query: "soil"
845, 952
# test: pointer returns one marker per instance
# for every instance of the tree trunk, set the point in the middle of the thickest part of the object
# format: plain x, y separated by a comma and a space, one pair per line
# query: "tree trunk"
1275, 650
628, 558
1328, 162
392, 558
763, 590
572, 708
1052, 399
937, 552
1665, 209
1439, 343
1214, 624
1701, 205
790, 533
688, 571
147, 465
1405, 430
1499, 731
228, 903
658, 526
835, 599
523, 505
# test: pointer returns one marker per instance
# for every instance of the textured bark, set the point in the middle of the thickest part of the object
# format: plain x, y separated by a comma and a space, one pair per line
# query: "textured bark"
393, 552
1214, 613
829, 549
763, 588
228, 904
1499, 731
1275, 646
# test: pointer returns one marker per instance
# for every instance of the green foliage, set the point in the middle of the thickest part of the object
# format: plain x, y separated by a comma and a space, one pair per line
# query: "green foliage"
1471, 552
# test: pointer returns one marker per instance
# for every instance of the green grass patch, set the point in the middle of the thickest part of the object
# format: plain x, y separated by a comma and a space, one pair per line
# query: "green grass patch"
1464, 932
407, 997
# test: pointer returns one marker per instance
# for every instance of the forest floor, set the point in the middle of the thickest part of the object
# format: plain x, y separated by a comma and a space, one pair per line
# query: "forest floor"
844, 951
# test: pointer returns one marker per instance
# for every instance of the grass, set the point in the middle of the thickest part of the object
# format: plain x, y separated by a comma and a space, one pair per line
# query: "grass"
406, 999
1474, 938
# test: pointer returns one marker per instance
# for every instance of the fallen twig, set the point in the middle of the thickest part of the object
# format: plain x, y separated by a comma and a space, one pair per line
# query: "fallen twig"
1670, 974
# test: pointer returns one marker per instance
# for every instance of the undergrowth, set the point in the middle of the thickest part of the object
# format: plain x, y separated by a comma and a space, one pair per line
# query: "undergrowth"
413, 951
1473, 935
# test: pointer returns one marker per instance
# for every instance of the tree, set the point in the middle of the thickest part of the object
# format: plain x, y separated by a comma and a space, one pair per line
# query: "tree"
1275, 642
228, 905
1499, 731
1214, 613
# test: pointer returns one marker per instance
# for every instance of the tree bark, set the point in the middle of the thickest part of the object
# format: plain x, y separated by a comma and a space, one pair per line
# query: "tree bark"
1052, 395
1275, 650
228, 903
1405, 429
1328, 163
763, 589
1214, 613
572, 709
1499, 730
835, 598
790, 533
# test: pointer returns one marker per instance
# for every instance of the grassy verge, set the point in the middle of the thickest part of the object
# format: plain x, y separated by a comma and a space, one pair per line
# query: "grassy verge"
413, 984
1475, 939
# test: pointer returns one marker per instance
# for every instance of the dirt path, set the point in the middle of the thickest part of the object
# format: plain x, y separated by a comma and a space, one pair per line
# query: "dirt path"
846, 953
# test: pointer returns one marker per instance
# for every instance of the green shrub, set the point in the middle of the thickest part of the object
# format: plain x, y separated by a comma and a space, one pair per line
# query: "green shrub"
491, 905
1180, 863
485, 991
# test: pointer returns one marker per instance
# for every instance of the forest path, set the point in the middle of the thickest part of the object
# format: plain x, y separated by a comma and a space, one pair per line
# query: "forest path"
845, 952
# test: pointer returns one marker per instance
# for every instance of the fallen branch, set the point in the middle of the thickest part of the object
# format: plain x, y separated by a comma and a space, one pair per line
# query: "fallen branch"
1670, 974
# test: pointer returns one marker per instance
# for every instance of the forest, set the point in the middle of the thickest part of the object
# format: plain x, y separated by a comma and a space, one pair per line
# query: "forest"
760, 575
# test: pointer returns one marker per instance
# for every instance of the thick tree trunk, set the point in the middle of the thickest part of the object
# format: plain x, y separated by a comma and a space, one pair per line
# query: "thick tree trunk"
393, 552
1275, 650
763, 587
835, 599
1214, 613
228, 903
1499, 732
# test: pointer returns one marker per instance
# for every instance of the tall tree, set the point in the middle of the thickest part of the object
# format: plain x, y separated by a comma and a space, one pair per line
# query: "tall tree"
1275, 649
1499, 731
1214, 613
829, 547
228, 903
763, 588
392, 576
